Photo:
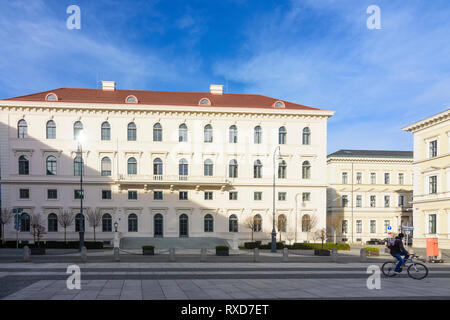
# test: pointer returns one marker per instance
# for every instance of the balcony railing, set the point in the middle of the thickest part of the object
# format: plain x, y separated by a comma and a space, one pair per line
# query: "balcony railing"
171, 178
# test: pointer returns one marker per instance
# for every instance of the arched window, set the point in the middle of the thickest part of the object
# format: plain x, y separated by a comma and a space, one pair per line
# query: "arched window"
306, 136
233, 223
106, 223
279, 104
182, 133
158, 225
306, 223
204, 101
306, 170
183, 168
208, 133
52, 223
24, 165
51, 97
51, 130
106, 166
233, 169
282, 135
131, 99
209, 223
257, 169
25, 222
157, 132
258, 135
77, 128
282, 223
132, 223
157, 166
79, 223
22, 129
282, 170
51, 165
132, 166
77, 166
131, 134
233, 134
106, 131
257, 223
184, 225
208, 167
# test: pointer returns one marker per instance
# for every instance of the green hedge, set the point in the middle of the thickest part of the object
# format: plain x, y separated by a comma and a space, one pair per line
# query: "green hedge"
313, 246
267, 246
148, 247
372, 249
56, 245
222, 248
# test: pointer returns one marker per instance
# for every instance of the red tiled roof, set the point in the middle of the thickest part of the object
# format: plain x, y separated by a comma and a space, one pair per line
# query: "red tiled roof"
159, 98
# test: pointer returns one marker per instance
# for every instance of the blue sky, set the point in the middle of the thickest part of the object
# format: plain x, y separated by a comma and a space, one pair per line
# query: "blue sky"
313, 52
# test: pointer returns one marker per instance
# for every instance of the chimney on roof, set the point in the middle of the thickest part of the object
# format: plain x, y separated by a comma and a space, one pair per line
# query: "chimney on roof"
216, 89
108, 85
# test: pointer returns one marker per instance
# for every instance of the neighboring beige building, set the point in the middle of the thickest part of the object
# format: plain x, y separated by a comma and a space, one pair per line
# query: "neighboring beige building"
369, 190
163, 164
432, 179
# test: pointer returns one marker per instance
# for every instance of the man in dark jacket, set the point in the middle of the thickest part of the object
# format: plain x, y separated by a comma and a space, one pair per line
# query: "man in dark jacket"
397, 251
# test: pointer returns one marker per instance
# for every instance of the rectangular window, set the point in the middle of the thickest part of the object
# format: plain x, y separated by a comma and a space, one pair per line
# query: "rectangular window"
359, 201
358, 178
433, 184
78, 194
358, 226
281, 196
387, 201
344, 177
52, 194
208, 195
373, 201
24, 193
106, 195
233, 195
401, 201
306, 196
183, 195
433, 148
344, 201
387, 224
132, 195
157, 195
387, 178
373, 178
432, 224
373, 226
257, 196
401, 178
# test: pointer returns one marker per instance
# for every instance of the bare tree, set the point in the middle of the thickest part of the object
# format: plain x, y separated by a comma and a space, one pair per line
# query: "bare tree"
309, 224
37, 227
94, 218
321, 235
65, 220
250, 223
5, 217
281, 224
335, 222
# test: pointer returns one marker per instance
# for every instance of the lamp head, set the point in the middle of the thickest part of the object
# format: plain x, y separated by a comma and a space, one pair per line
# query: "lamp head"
81, 138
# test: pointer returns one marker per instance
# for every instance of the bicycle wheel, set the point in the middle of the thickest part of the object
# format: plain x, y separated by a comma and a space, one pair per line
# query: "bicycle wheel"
388, 269
417, 271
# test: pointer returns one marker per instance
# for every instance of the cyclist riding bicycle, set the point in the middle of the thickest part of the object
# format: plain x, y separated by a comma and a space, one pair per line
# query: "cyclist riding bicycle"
397, 251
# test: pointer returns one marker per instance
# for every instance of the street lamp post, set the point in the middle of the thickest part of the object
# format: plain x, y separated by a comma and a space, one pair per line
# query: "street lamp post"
80, 139
274, 233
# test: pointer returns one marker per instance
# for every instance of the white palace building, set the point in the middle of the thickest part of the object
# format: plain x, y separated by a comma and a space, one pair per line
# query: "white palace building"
163, 164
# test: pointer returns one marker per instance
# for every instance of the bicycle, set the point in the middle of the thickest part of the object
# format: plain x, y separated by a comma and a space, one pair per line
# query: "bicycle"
416, 270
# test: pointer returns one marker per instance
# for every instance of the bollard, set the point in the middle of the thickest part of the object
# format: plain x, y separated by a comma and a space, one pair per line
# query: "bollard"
285, 255
83, 254
116, 254
334, 255
203, 255
172, 254
256, 255
26, 254
362, 255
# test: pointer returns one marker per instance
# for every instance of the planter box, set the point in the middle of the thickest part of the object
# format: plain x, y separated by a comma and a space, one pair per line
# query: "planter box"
148, 252
321, 252
37, 251
372, 253
222, 252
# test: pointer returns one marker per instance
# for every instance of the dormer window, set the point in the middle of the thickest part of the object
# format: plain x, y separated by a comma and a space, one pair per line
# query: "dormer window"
205, 101
51, 97
131, 99
279, 104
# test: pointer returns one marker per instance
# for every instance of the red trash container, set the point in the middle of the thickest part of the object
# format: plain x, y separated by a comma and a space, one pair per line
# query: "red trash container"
432, 247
